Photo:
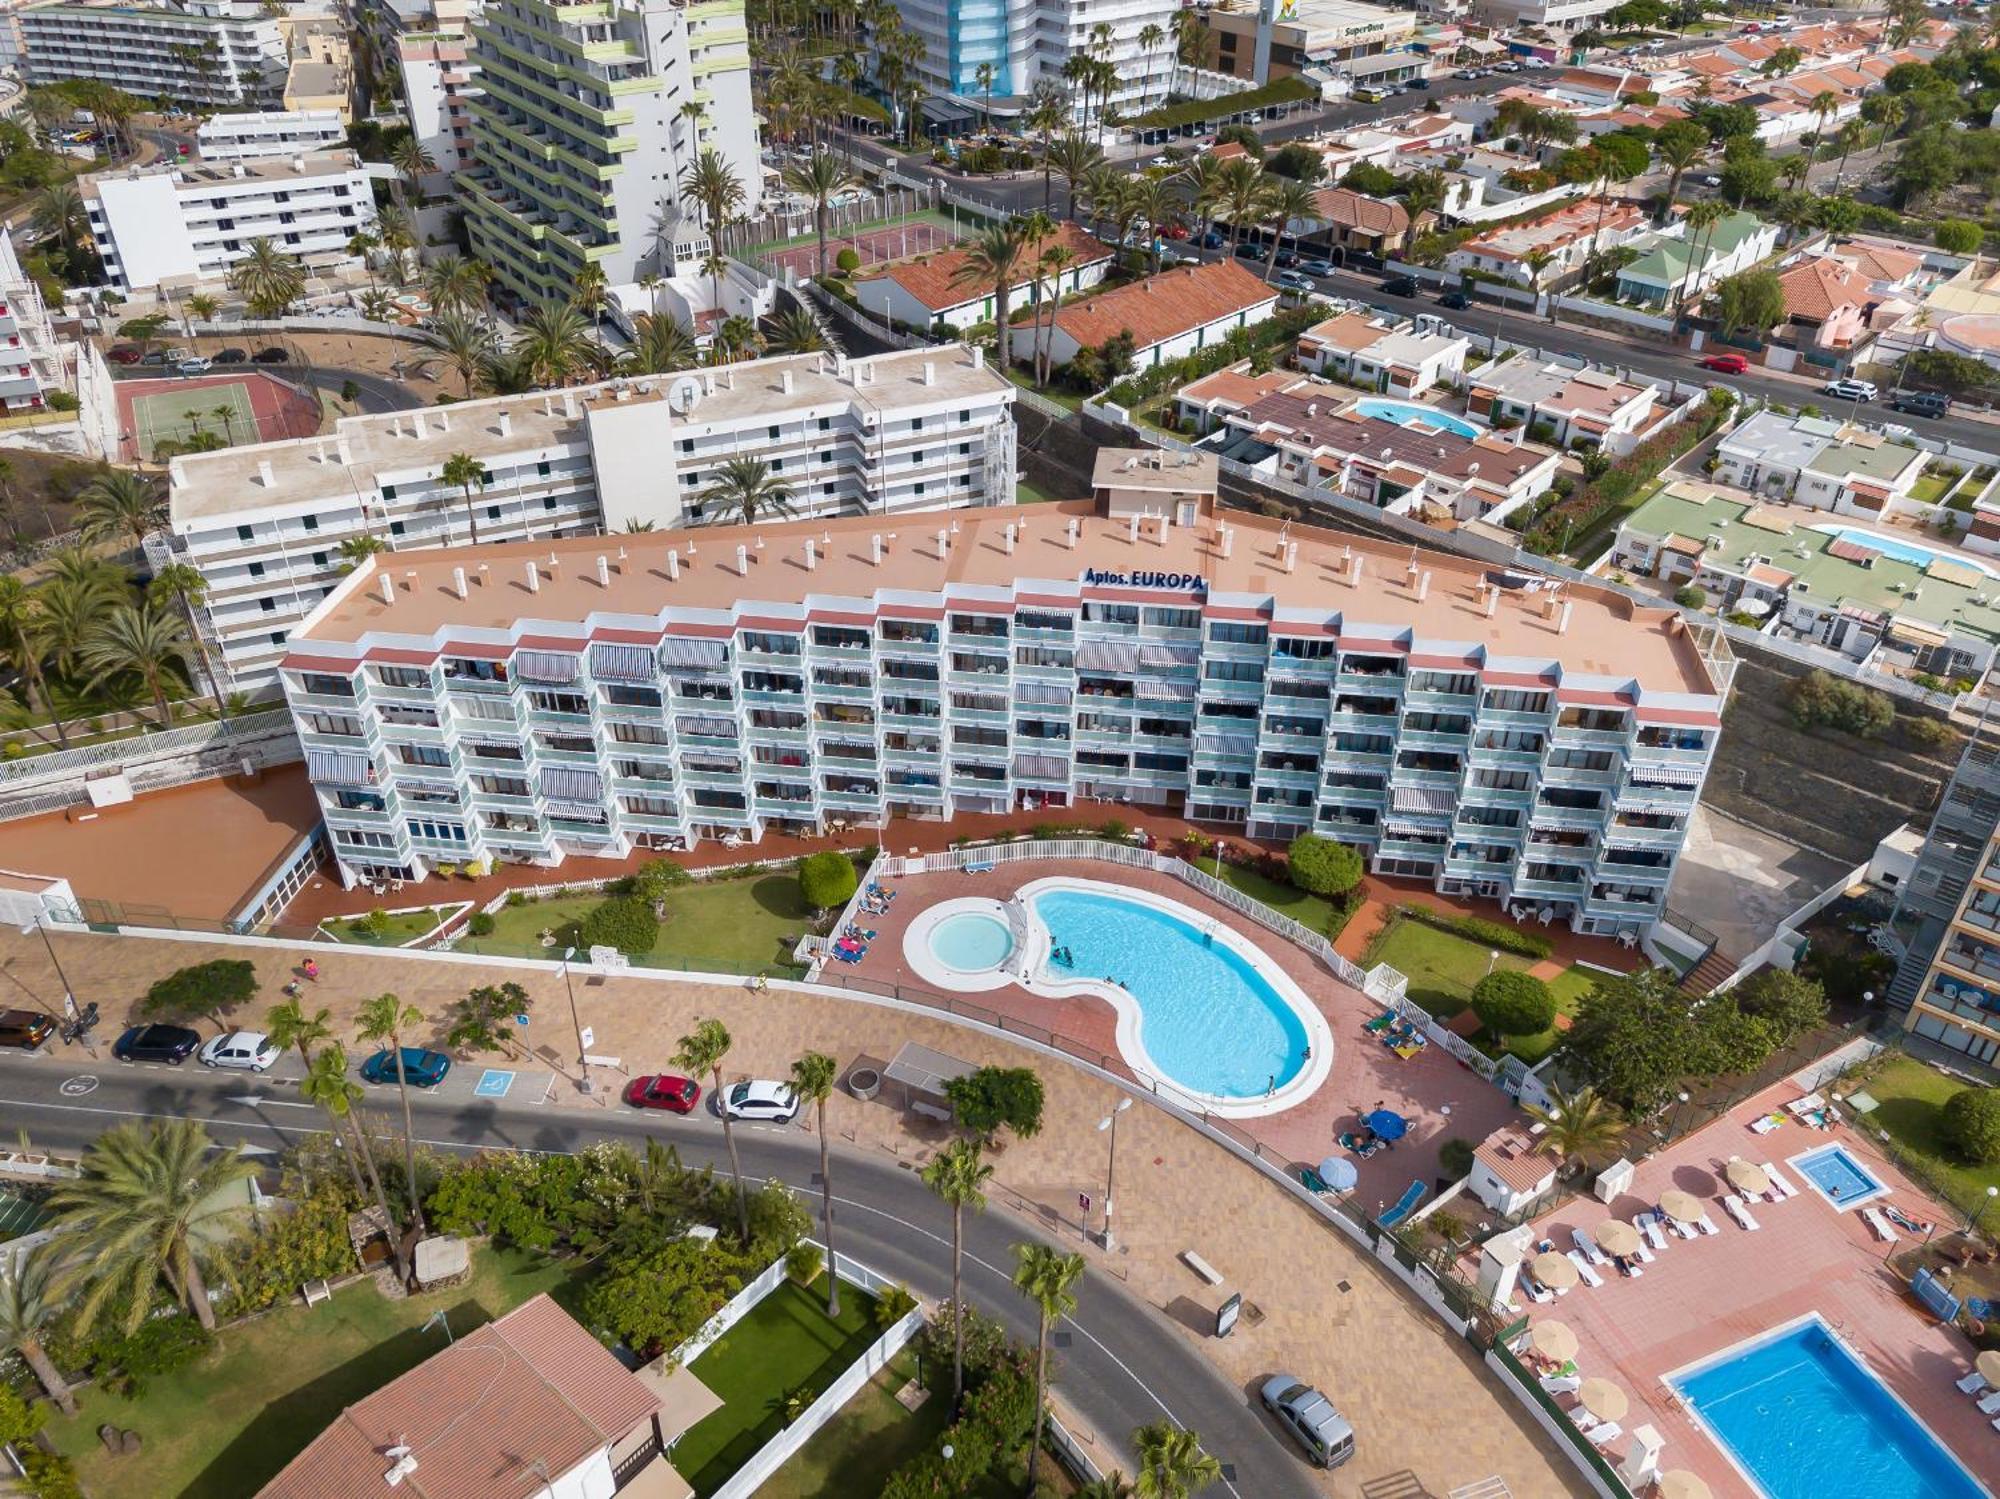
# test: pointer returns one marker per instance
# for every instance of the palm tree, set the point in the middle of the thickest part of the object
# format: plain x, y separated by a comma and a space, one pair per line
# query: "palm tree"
663, 345
412, 163
327, 1084
28, 1303
465, 473
713, 183
822, 177
355, 550
1056, 259
812, 1082
392, 226
1112, 1485
1701, 216
385, 1018
1848, 136
984, 77
1677, 151
735, 339
135, 1207
1577, 1125
203, 306
455, 284
119, 503
376, 305
793, 331
1242, 192
142, 640
1286, 200
466, 341
1538, 260
185, 588
1044, 119
60, 216
1045, 1275
1171, 1462
702, 1050
744, 488
267, 279
362, 246
592, 293
554, 342
27, 640
959, 1177
1151, 37
1074, 159
994, 259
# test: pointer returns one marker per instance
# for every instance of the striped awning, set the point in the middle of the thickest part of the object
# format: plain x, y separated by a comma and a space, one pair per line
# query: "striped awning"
1041, 767
1042, 692
622, 663
547, 666
1108, 655
1166, 692
708, 728
1435, 799
1226, 744
572, 783
1151, 654
708, 655
339, 768
577, 811
1666, 775
1405, 827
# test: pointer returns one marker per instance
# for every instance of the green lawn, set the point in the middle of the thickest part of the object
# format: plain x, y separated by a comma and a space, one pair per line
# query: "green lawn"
1028, 494
1315, 911
1931, 488
1066, 398
404, 926
1910, 1095
786, 1343
1443, 968
735, 926
224, 1428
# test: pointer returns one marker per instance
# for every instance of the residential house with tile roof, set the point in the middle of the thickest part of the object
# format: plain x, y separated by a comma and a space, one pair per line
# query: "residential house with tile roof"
1168, 315
1673, 266
1570, 235
1565, 406
1390, 353
1827, 465
1826, 303
1354, 223
1205, 404
928, 290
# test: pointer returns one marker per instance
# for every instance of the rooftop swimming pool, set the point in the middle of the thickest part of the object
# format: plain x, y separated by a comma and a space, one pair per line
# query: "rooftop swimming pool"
1902, 551
1803, 1418
1409, 413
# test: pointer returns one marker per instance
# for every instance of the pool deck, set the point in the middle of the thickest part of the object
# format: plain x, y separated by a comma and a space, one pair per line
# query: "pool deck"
1704, 1295
1440, 1098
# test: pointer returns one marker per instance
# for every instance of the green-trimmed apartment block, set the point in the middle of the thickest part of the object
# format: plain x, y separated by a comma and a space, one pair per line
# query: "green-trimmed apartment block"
590, 118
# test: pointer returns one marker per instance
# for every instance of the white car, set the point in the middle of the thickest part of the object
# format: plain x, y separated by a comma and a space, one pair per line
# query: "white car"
1849, 390
760, 1098
194, 366
248, 1051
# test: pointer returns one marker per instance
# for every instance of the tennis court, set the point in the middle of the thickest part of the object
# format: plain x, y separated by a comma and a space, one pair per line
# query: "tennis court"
898, 241
238, 409
18, 1217
180, 414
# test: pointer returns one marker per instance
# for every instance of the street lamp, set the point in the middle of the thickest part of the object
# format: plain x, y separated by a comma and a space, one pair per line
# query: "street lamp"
69, 997
1110, 1122
582, 1047
1991, 1194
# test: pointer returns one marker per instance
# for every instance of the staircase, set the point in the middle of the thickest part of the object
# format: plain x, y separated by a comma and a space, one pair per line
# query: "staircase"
1705, 975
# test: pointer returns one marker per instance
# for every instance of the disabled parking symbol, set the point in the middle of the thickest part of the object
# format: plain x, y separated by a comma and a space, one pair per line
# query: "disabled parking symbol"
493, 1083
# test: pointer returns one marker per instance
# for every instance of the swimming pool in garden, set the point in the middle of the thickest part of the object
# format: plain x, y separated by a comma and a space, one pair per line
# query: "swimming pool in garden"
1409, 413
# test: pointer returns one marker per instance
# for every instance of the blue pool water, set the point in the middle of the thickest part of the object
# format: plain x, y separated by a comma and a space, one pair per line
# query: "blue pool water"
1403, 414
1902, 551
1807, 1420
970, 942
1839, 1176
1209, 1021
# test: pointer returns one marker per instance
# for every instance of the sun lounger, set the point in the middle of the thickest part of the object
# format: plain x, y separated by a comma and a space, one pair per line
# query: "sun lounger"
1380, 1022
1562, 1384
1584, 1270
1643, 1255
1972, 1384
1763, 1124
1996, 1423
1707, 1225
1990, 1405
1781, 1186
1649, 1225
1738, 1209
1604, 1433
1812, 1103
1587, 1247
1905, 1222
1879, 1224
1540, 1294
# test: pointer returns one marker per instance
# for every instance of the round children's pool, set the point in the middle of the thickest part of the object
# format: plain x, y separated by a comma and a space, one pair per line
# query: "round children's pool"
971, 942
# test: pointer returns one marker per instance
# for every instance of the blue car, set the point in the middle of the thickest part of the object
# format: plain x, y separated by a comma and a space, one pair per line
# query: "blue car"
1213, 240
421, 1069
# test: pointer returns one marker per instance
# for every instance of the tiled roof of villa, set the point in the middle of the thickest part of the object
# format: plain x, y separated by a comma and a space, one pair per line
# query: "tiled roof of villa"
932, 280
1164, 306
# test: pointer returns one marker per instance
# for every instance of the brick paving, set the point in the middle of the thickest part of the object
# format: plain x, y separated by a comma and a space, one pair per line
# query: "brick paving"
1706, 1294
1430, 1417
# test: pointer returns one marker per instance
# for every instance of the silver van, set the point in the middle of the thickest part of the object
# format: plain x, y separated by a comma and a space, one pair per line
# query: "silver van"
1311, 1419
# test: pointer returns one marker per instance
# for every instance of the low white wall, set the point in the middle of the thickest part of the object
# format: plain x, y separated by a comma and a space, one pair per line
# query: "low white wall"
1562, 1439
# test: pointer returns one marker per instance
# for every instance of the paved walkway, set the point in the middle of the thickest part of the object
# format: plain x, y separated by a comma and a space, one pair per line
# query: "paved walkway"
1429, 1416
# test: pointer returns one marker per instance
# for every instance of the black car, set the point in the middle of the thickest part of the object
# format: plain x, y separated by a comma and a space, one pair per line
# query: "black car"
231, 356
1400, 286
1454, 299
156, 1043
1248, 251
270, 356
1288, 260
1921, 403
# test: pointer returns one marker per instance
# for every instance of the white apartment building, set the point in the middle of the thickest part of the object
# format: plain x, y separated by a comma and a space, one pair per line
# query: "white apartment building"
1549, 15
272, 132
1029, 40
30, 363
588, 120
215, 52
438, 81
194, 222
923, 430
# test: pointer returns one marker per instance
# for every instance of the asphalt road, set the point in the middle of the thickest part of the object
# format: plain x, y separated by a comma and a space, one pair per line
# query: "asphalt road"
1123, 1364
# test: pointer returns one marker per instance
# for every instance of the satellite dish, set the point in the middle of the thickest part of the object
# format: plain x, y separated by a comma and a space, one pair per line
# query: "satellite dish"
683, 394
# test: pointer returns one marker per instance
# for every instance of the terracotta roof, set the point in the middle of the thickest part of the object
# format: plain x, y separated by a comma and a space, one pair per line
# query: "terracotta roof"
930, 279
531, 1387
1234, 388
1227, 151
1164, 306
1879, 262
1817, 288
1347, 209
1510, 1155
1349, 331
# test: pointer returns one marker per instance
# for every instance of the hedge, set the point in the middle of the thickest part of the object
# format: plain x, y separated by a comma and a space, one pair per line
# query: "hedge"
624, 923
1280, 328
1617, 484
1197, 111
1478, 929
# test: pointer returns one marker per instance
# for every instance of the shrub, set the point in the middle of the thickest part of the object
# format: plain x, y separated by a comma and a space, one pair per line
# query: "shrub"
1485, 933
1970, 1125
1512, 1003
1957, 236
1929, 733
1820, 699
847, 260
1788, 1003
622, 922
1321, 866
655, 878
804, 1263
892, 1305
480, 924
827, 879
375, 924
984, 1100
1455, 1158
1691, 597
201, 990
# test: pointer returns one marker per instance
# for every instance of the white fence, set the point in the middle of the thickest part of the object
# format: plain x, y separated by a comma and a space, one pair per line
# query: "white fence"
172, 757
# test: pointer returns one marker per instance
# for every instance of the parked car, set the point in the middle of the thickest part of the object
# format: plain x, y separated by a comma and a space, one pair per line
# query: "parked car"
1162, 160
1509, 66
26, 1029
663, 1091
194, 366
1248, 251
1466, 73
1849, 390
1174, 231
1296, 281
251, 1051
1315, 267
1400, 286
1214, 239
1416, 85
1711, 180
760, 1098
1537, 64
123, 353
1287, 260
270, 356
1726, 364
232, 356
1457, 300
156, 1043
155, 360
1921, 403
1310, 1418
421, 1069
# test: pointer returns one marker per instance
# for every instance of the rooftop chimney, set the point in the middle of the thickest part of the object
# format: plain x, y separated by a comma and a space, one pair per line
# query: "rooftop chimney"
419, 428
1492, 602
534, 577
674, 566
1291, 555
1423, 585
1562, 624
785, 381
978, 357
1354, 569
265, 475
1010, 538
503, 423
930, 372
603, 571
1228, 538
1132, 528
812, 554
1072, 533
458, 581
875, 548
743, 562
388, 588
944, 544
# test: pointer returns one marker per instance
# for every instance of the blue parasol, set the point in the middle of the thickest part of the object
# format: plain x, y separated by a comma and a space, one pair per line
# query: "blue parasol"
1338, 1173
1387, 1124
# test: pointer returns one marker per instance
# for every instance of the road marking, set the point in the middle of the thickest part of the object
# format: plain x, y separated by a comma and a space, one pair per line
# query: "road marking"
76, 1087
493, 1083
253, 1101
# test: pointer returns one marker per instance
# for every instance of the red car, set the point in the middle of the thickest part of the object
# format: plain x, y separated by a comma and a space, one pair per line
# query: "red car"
123, 353
680, 1094
1727, 364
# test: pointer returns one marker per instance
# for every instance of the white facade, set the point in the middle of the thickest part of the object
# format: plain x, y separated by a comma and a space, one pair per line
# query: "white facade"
1026, 41
194, 51
1551, 15
276, 132
918, 431
195, 222
30, 364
